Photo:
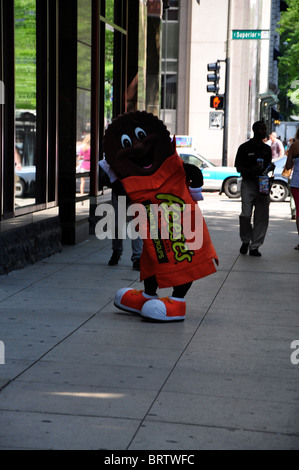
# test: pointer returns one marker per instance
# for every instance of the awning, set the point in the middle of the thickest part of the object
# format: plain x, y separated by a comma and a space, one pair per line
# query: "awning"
269, 97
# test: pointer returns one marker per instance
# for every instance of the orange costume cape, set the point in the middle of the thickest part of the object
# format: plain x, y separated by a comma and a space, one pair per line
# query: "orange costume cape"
170, 259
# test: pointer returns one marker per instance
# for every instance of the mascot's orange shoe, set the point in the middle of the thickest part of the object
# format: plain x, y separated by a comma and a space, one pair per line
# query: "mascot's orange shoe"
131, 300
166, 309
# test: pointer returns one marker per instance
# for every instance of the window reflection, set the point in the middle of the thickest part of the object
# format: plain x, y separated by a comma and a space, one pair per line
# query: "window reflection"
84, 162
110, 10
25, 101
109, 52
168, 92
84, 66
83, 105
84, 21
170, 65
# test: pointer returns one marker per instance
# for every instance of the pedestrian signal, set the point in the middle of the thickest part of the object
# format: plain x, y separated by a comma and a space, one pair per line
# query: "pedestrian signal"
217, 102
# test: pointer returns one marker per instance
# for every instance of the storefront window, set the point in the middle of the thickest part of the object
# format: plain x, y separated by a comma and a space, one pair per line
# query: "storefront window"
83, 103
110, 10
114, 26
25, 102
84, 21
109, 53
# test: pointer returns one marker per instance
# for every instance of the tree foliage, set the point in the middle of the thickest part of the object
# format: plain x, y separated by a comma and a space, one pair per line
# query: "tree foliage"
289, 59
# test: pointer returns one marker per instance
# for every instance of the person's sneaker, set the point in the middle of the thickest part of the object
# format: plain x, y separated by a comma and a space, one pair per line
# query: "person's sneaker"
244, 249
131, 300
114, 259
255, 253
164, 310
136, 265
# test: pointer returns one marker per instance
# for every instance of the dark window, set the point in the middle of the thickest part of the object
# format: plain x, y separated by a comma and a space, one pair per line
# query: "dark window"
169, 88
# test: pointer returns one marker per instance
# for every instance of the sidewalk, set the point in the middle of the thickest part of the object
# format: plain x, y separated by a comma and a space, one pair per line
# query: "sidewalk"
80, 374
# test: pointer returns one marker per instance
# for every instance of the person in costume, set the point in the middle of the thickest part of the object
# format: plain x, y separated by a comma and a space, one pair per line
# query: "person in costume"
142, 162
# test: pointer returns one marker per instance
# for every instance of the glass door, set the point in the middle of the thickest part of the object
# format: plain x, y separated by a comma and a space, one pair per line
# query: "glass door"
25, 102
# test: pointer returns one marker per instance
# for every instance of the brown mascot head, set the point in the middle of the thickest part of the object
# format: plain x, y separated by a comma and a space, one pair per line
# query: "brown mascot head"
136, 144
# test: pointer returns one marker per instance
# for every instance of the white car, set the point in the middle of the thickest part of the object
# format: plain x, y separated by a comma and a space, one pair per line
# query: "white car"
216, 178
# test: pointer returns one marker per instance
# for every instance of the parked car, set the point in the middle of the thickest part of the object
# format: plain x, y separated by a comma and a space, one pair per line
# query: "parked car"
216, 178
25, 181
225, 179
280, 188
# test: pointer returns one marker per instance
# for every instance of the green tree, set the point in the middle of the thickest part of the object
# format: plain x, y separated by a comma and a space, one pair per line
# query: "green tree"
289, 60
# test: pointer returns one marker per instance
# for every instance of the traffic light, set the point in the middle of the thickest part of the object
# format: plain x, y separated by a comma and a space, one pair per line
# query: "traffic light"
213, 77
217, 102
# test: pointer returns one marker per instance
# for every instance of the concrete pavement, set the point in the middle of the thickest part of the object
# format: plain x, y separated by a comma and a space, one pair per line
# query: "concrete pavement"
79, 374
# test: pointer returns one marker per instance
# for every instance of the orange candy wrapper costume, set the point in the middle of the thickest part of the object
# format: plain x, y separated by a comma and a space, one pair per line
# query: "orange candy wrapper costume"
170, 259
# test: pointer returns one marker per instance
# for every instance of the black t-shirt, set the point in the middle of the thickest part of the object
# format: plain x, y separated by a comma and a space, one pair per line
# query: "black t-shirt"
247, 159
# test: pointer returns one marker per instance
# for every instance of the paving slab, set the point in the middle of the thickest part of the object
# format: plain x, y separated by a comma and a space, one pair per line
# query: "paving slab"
240, 413
76, 400
42, 431
170, 436
81, 374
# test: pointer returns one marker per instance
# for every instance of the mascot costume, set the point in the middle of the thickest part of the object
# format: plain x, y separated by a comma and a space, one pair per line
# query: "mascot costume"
141, 162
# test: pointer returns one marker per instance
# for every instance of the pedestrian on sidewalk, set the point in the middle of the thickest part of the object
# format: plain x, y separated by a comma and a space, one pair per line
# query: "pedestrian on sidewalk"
117, 243
253, 160
84, 158
276, 146
293, 162
288, 174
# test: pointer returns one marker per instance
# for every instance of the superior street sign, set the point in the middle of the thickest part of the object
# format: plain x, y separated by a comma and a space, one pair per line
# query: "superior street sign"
251, 34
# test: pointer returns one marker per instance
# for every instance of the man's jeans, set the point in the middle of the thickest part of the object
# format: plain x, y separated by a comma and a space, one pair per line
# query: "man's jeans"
117, 243
256, 204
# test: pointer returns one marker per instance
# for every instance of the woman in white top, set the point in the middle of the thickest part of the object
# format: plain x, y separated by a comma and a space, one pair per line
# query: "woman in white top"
293, 162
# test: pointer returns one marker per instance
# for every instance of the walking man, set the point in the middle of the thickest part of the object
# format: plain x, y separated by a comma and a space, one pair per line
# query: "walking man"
253, 159
276, 146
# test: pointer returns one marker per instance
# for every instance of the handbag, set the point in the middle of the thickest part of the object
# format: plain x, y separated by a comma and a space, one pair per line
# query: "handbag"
286, 173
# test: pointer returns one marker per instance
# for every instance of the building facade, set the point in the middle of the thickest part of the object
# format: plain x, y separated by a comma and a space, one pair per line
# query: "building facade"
67, 68
206, 32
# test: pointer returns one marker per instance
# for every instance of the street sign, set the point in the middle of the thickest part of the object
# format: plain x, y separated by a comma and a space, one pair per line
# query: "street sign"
251, 34
216, 120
